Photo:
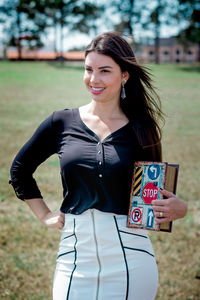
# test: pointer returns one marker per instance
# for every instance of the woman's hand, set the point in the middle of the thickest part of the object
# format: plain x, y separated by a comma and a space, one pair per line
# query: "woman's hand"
54, 219
169, 209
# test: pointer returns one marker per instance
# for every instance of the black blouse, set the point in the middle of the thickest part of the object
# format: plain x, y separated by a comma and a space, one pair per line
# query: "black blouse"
95, 174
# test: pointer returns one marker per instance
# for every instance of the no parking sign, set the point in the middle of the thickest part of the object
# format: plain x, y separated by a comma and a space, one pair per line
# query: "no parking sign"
136, 215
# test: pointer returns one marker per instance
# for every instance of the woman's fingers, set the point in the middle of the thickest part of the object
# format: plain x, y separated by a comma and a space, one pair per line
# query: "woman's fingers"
61, 220
162, 208
162, 214
55, 219
166, 193
169, 209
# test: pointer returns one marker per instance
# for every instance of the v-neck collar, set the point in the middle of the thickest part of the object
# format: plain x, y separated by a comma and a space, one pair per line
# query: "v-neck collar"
91, 132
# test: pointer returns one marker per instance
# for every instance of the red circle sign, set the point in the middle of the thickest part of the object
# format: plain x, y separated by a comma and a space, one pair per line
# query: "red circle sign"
149, 193
136, 215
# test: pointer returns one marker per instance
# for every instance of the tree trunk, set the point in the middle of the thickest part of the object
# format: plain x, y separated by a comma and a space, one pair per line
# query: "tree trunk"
131, 13
61, 39
61, 30
157, 33
19, 49
55, 37
5, 47
157, 49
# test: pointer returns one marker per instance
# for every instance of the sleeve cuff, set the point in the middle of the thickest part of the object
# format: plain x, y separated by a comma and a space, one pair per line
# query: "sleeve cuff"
32, 193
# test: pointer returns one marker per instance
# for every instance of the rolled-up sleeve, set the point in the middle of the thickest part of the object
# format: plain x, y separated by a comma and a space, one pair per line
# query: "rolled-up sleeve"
36, 150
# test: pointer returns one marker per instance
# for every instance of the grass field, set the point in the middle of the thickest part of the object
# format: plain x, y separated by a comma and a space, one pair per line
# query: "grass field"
29, 92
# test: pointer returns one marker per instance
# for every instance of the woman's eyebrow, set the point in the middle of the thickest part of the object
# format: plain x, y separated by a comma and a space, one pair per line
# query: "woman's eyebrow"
103, 67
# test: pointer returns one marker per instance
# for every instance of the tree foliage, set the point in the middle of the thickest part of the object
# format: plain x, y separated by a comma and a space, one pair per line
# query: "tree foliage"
129, 14
190, 11
30, 20
143, 16
26, 22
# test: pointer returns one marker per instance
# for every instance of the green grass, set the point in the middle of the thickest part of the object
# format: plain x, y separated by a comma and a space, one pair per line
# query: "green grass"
29, 92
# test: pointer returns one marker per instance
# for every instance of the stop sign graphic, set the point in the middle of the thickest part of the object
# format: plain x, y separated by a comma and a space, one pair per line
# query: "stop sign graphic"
149, 193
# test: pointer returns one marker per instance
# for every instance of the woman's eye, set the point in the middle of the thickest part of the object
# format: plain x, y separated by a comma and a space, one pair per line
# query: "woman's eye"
105, 71
88, 70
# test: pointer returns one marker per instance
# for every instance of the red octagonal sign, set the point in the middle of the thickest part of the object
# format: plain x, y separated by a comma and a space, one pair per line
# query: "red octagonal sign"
149, 193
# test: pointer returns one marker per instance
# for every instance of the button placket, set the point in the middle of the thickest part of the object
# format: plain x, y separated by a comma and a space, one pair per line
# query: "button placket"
100, 159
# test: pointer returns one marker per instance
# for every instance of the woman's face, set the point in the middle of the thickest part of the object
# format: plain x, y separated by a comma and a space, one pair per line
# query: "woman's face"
103, 77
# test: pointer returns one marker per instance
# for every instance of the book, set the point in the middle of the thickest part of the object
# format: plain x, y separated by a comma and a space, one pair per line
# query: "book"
147, 178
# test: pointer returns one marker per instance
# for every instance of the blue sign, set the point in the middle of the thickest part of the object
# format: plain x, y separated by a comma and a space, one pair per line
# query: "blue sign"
153, 171
150, 218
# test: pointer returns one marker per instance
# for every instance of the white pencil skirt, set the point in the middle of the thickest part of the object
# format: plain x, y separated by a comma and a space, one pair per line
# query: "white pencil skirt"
99, 258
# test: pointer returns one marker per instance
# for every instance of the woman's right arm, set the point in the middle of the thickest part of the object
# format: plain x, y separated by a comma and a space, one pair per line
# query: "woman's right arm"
37, 149
44, 214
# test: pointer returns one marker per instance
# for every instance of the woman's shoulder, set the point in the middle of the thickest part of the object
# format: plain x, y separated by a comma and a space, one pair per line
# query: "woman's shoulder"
63, 118
63, 114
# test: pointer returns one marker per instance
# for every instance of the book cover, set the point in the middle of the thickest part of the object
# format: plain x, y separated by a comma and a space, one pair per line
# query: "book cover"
147, 178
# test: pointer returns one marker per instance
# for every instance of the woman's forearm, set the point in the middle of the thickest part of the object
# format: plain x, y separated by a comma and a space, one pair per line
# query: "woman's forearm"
38, 207
44, 214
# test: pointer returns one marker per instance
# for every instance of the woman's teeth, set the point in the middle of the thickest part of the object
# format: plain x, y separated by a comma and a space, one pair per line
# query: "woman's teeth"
97, 89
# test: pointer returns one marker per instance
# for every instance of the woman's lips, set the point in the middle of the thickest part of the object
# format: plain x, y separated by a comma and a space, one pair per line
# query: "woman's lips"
96, 90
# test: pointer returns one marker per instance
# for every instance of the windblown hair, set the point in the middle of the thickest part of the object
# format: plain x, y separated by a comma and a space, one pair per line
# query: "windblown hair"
142, 105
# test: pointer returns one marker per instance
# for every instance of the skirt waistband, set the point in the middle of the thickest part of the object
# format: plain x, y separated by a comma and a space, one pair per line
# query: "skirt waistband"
94, 211
102, 218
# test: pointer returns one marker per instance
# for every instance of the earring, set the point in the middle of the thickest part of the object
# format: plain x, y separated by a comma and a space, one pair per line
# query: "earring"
123, 93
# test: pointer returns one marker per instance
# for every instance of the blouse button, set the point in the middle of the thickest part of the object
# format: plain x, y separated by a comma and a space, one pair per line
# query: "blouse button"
100, 162
100, 175
98, 143
99, 152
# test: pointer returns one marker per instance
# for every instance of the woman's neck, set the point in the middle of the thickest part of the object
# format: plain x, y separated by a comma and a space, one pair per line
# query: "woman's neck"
104, 110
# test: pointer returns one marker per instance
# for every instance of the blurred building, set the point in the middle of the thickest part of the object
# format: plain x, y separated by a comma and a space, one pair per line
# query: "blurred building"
44, 54
170, 51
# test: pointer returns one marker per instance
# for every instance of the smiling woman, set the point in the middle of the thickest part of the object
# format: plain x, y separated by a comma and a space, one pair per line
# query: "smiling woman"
103, 79
99, 258
103, 76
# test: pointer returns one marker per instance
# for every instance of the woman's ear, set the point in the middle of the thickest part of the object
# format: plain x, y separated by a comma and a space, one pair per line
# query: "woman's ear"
125, 75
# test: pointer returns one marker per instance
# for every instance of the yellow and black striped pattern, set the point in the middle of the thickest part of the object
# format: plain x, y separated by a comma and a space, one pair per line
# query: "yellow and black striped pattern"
137, 181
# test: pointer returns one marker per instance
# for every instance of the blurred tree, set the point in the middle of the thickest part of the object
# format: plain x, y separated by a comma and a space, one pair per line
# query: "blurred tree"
161, 13
75, 15
148, 15
125, 15
10, 9
18, 29
30, 19
190, 11
128, 15
155, 19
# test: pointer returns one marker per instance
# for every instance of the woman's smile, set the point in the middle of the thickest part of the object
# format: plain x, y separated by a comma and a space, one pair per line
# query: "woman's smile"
96, 90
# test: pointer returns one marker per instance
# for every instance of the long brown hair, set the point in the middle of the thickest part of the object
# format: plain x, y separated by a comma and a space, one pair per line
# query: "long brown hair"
142, 105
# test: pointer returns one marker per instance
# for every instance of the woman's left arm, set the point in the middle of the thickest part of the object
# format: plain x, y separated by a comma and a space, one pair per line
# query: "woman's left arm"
169, 209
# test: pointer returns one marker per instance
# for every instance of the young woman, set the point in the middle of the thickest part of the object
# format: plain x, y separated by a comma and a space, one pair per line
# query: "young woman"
99, 258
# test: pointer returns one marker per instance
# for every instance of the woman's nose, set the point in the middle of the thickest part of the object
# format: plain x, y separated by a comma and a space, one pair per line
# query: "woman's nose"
94, 78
